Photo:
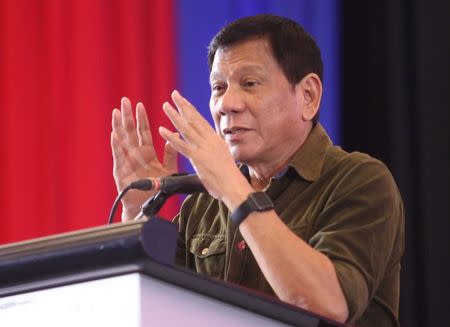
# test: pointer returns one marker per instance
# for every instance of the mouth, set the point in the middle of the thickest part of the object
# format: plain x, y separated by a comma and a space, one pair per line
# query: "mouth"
235, 134
229, 131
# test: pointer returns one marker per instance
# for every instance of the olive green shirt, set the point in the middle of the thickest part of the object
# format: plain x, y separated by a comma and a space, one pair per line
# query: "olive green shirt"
345, 205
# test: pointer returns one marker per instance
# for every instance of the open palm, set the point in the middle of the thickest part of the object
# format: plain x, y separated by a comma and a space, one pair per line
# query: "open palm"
134, 155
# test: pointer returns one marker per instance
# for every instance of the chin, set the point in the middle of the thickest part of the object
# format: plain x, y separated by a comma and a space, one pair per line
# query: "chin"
242, 156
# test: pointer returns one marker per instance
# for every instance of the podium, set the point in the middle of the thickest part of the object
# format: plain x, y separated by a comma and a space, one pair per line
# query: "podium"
124, 275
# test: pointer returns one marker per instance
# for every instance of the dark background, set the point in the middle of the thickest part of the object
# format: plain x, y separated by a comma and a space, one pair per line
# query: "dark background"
396, 99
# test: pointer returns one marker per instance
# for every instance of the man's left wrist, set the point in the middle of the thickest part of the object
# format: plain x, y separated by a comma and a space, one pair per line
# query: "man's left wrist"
238, 192
235, 199
256, 201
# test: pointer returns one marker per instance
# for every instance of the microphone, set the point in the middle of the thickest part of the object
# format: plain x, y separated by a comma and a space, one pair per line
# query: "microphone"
165, 186
177, 184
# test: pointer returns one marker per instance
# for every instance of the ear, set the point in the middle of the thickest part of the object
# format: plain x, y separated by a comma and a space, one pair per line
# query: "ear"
310, 88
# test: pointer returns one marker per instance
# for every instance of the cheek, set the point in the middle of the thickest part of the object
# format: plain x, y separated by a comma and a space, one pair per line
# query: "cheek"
273, 121
216, 118
268, 119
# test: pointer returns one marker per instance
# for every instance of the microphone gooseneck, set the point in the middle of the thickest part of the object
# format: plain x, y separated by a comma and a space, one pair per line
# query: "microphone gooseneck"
143, 184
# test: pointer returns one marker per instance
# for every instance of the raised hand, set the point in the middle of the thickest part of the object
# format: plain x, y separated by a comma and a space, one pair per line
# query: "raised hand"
134, 155
207, 152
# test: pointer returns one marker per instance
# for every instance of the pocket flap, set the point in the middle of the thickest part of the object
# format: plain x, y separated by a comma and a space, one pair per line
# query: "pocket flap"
204, 245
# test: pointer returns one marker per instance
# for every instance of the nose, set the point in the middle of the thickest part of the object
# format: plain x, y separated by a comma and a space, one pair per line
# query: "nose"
230, 102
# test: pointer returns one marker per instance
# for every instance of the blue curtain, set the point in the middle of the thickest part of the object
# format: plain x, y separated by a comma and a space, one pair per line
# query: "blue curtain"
198, 21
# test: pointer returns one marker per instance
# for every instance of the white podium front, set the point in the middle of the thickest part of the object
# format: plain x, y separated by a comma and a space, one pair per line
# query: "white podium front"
132, 300
123, 275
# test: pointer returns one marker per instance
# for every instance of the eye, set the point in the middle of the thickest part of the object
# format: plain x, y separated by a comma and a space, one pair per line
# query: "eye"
250, 83
217, 88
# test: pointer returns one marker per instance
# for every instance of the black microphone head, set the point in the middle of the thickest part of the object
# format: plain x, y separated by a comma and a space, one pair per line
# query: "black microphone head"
181, 184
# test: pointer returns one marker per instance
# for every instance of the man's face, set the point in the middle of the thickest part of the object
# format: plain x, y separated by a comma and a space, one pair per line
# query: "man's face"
254, 107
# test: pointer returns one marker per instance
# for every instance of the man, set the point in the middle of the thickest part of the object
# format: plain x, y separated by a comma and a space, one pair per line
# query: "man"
299, 218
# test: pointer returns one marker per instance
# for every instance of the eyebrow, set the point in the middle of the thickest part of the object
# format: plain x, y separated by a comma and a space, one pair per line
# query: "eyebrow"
250, 68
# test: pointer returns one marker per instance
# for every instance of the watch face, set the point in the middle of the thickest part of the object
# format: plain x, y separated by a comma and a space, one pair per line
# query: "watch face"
261, 201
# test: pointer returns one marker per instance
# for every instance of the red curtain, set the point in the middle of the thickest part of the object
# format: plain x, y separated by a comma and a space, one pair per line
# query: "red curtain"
64, 65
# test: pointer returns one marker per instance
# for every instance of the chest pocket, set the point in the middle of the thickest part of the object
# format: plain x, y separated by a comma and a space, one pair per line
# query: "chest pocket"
208, 252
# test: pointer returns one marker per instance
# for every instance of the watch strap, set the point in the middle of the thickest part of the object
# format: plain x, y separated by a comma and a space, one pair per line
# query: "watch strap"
257, 201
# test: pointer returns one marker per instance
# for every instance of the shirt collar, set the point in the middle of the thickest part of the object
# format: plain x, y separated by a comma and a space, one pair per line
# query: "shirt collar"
309, 158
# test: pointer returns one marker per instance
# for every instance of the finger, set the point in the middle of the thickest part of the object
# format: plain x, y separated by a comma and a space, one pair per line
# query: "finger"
118, 130
128, 122
125, 160
180, 123
190, 112
116, 120
118, 150
143, 128
170, 157
114, 146
119, 154
176, 142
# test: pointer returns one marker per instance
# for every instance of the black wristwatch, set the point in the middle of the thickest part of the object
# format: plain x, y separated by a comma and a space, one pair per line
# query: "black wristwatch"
257, 201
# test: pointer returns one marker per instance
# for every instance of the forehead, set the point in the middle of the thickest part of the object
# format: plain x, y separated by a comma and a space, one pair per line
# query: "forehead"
250, 55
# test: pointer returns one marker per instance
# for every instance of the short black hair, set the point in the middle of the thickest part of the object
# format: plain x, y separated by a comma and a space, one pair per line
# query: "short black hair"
293, 48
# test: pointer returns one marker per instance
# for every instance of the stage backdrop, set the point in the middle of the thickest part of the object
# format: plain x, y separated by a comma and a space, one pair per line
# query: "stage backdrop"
64, 65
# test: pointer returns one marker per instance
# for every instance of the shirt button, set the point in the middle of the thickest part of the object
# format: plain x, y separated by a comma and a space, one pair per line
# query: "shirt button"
241, 245
205, 251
